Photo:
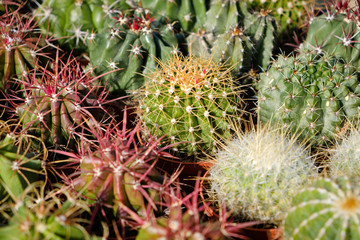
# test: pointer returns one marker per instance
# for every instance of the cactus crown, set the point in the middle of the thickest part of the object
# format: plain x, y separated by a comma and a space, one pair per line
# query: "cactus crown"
190, 100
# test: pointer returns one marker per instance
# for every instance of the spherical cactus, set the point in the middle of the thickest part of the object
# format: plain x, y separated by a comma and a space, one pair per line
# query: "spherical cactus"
313, 94
138, 40
258, 172
190, 100
329, 209
60, 102
345, 158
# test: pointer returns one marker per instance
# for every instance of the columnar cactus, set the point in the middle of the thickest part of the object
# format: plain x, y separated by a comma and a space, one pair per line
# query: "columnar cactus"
19, 166
328, 209
20, 47
257, 173
59, 102
38, 214
138, 40
73, 20
313, 94
190, 100
116, 171
336, 31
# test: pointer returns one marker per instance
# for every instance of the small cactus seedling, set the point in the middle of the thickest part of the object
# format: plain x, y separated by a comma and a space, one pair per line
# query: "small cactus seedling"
191, 100
258, 173
41, 214
329, 210
313, 94
59, 102
116, 172
20, 47
19, 166
345, 159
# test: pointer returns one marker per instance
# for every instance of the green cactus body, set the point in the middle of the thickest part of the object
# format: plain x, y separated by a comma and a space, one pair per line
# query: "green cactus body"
312, 94
18, 168
257, 174
190, 100
74, 20
138, 40
329, 210
335, 32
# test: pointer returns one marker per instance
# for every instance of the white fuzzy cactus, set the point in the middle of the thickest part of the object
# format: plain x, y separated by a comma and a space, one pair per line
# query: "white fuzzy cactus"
258, 173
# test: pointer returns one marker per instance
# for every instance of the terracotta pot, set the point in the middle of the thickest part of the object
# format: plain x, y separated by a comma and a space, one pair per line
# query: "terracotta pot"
263, 234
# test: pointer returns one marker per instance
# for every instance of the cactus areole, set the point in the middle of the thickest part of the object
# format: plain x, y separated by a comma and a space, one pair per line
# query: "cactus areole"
313, 94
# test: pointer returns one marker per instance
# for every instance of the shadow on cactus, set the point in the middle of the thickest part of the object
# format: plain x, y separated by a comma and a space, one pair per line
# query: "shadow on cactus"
57, 102
21, 47
20, 164
116, 171
192, 101
258, 172
41, 214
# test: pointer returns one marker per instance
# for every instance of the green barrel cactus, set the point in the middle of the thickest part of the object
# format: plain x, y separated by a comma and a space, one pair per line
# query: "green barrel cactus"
314, 94
258, 172
336, 32
128, 48
190, 100
329, 210
72, 21
19, 166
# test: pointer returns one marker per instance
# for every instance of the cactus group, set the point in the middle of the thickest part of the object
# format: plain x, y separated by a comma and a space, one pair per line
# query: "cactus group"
328, 209
258, 172
314, 94
191, 101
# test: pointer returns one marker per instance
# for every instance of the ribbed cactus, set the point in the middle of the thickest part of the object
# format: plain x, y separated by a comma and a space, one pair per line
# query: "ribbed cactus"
129, 47
20, 47
74, 20
258, 172
19, 165
38, 214
345, 156
336, 31
314, 94
190, 100
59, 102
329, 210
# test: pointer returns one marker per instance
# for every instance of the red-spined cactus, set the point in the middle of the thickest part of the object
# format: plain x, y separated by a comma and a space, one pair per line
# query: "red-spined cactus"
21, 47
59, 101
117, 170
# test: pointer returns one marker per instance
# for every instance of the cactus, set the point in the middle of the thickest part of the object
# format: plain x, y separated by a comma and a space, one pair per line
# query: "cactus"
138, 39
258, 172
59, 103
192, 101
345, 158
313, 94
38, 214
73, 20
20, 47
328, 209
116, 171
19, 166
336, 31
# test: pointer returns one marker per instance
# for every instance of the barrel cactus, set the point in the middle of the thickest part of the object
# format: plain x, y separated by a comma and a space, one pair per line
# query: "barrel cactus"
72, 21
314, 94
336, 31
57, 103
138, 40
191, 101
258, 172
329, 209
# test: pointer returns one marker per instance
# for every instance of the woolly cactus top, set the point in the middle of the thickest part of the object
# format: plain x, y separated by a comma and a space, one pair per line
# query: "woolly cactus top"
189, 100
257, 173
